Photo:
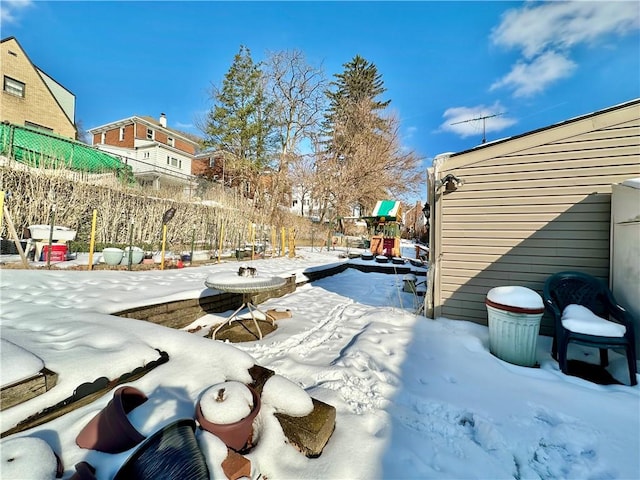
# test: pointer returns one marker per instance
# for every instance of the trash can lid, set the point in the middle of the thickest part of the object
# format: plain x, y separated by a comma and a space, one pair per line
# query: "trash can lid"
515, 299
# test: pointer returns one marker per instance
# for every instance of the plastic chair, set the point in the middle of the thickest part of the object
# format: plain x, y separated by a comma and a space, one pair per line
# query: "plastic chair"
576, 288
410, 285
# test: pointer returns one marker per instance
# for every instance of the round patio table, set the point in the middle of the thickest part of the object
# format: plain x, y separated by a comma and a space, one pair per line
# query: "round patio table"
232, 282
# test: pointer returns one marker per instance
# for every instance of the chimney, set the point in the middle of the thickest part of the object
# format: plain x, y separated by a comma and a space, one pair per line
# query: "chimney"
163, 120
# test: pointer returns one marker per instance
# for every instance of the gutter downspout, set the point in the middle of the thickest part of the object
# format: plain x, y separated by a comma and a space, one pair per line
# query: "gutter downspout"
434, 273
428, 297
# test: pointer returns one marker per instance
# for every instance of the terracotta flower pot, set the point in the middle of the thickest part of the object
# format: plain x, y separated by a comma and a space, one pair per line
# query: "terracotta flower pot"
235, 435
110, 430
171, 452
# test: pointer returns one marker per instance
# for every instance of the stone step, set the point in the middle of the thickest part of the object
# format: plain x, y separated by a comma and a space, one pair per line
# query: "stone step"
310, 433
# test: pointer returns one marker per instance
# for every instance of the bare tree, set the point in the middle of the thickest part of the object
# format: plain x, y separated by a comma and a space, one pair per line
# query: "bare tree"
376, 166
82, 135
303, 180
297, 96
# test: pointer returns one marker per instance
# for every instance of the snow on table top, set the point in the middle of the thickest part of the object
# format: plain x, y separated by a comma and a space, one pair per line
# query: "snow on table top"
232, 282
515, 296
17, 363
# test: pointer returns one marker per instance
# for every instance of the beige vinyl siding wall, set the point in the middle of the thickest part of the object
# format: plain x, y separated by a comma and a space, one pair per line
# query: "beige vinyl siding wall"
530, 207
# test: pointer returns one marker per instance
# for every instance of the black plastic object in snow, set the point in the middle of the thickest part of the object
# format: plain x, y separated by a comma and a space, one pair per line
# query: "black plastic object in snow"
169, 454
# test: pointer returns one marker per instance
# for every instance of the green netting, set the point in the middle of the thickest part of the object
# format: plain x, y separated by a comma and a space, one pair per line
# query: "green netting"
37, 148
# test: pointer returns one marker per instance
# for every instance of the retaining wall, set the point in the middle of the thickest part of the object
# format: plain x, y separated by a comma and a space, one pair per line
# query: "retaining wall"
182, 313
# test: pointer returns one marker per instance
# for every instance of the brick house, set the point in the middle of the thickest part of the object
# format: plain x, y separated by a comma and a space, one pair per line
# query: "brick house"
210, 165
158, 155
32, 98
218, 166
414, 222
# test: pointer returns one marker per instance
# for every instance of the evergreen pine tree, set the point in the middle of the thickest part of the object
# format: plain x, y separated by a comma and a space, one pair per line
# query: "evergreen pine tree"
239, 121
359, 84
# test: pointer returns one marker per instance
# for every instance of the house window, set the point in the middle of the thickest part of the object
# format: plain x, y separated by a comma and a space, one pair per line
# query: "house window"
145, 155
212, 163
149, 134
103, 137
171, 141
13, 86
174, 162
121, 133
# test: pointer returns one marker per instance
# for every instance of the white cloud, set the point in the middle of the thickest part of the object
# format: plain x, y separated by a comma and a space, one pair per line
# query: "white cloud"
470, 121
10, 9
184, 125
527, 79
562, 25
545, 33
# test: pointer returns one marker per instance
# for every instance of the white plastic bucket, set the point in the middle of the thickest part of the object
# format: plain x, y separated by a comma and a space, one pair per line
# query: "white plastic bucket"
514, 324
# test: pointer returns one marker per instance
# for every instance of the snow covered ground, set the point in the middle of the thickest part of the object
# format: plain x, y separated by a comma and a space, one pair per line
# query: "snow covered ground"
415, 398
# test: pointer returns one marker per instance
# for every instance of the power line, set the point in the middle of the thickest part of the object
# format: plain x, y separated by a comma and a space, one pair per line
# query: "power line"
484, 119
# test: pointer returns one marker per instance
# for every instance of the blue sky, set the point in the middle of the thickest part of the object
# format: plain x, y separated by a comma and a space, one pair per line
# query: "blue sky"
531, 63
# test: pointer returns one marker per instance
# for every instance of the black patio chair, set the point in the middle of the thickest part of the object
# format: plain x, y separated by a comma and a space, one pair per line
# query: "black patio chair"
576, 288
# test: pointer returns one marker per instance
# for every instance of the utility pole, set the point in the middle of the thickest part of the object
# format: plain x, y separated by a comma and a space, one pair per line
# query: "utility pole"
484, 126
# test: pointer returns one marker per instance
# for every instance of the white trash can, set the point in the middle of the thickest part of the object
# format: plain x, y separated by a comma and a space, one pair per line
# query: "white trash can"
514, 324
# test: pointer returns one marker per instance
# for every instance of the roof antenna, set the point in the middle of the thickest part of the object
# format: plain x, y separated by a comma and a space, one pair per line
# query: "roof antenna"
484, 126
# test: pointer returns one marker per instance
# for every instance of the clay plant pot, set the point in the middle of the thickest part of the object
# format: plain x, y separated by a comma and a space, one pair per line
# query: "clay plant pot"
171, 452
112, 256
110, 430
235, 435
